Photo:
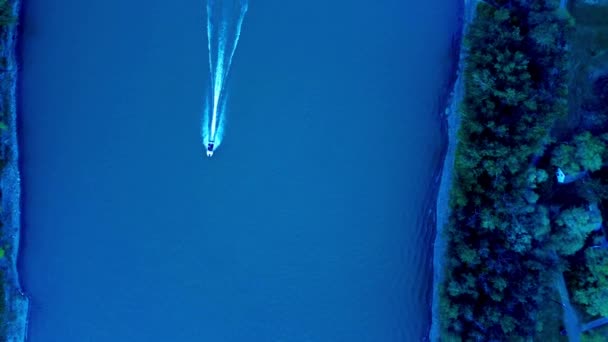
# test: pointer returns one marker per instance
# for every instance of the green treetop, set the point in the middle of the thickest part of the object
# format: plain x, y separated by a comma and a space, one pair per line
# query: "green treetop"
591, 286
572, 228
585, 153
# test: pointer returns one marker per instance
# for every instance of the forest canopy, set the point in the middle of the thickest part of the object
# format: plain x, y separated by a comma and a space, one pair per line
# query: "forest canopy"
501, 237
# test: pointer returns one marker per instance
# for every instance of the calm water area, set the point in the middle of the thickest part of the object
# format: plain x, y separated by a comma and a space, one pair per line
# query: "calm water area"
307, 224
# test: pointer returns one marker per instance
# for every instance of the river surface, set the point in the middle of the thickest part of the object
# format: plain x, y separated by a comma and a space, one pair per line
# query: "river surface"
307, 224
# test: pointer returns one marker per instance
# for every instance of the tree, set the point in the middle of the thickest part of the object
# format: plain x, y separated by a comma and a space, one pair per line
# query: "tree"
589, 151
584, 153
563, 157
593, 336
6, 15
545, 35
591, 284
572, 228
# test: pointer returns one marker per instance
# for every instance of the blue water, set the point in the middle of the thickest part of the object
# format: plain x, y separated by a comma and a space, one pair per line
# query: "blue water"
308, 223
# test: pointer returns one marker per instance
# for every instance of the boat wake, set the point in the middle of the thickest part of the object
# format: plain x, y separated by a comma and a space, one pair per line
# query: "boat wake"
224, 23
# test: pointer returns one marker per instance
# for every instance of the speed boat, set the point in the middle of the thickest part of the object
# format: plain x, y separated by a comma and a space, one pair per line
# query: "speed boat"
210, 149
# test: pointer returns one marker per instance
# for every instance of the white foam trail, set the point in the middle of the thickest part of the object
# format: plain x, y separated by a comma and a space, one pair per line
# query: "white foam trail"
206, 124
214, 114
209, 34
239, 24
219, 134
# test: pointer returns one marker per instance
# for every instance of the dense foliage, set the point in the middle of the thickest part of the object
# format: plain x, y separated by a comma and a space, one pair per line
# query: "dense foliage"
585, 152
500, 231
572, 227
590, 284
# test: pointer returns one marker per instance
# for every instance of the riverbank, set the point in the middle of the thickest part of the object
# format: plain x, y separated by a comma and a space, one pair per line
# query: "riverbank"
452, 118
15, 302
500, 234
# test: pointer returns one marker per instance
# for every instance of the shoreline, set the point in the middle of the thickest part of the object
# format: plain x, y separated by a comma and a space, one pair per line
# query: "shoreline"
452, 118
16, 303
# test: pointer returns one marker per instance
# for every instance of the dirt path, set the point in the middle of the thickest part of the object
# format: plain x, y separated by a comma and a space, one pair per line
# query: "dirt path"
571, 322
